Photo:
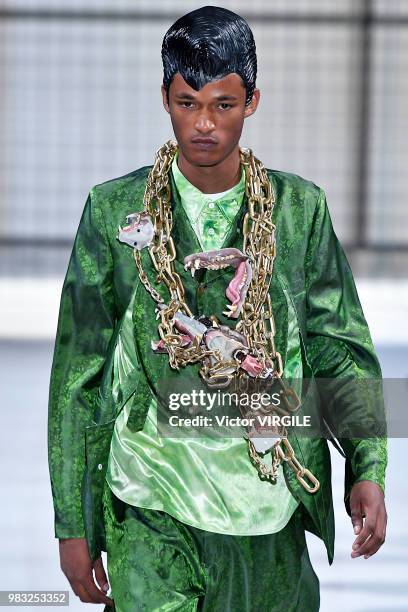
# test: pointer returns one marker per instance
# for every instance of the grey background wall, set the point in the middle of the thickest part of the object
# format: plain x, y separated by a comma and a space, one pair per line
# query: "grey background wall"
81, 104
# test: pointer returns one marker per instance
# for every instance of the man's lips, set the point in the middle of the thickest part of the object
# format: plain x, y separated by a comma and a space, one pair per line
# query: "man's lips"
204, 143
203, 139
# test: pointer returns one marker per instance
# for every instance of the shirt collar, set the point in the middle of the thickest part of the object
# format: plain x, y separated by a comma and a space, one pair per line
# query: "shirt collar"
193, 199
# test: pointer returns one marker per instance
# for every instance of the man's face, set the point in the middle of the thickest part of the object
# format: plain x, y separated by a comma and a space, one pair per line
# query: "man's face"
208, 123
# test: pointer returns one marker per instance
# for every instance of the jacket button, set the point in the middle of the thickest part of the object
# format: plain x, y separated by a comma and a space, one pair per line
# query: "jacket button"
201, 289
100, 466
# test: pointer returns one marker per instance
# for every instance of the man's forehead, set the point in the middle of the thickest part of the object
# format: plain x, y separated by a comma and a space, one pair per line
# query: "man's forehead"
230, 84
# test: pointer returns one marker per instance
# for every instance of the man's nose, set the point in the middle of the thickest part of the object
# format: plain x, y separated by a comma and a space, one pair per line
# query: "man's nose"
204, 122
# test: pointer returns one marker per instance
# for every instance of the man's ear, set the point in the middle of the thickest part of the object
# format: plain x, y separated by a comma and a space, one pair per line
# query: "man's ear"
253, 105
164, 96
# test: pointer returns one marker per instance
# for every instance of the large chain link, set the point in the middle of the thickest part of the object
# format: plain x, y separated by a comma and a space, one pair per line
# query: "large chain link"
257, 321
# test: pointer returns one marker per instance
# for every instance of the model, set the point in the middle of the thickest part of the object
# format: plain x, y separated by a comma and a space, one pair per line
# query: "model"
208, 270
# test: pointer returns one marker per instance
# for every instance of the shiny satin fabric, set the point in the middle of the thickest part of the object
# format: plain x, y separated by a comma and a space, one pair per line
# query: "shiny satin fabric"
156, 563
205, 482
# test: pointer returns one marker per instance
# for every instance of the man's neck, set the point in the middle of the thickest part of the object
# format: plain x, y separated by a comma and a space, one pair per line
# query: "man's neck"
212, 179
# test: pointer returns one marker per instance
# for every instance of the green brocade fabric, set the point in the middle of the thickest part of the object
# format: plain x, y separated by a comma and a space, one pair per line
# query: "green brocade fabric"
204, 482
159, 564
312, 288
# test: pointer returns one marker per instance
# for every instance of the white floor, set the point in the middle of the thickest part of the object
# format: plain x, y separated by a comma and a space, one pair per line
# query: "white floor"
384, 301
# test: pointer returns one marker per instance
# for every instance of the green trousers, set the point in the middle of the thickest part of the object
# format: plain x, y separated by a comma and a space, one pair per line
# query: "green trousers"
156, 563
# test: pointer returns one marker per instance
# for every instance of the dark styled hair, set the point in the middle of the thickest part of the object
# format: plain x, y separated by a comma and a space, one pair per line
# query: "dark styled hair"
206, 45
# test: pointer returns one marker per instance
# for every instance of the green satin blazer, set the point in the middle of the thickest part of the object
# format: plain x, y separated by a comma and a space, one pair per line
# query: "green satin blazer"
312, 291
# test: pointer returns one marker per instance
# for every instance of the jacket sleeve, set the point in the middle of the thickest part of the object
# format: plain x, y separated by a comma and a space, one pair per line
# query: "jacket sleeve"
342, 356
85, 326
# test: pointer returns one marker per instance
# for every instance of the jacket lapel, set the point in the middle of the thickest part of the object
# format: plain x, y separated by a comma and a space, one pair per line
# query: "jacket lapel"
184, 237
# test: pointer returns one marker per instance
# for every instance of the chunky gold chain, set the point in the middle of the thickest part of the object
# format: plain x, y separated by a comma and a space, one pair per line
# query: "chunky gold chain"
257, 320
259, 244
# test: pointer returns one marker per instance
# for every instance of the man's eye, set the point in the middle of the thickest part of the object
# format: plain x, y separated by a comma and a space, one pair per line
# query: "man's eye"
184, 104
225, 104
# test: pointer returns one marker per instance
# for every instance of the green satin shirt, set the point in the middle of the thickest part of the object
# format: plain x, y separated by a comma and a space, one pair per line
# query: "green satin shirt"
205, 482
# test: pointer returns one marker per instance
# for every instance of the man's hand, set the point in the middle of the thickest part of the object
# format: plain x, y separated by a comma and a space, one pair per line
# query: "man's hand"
367, 500
77, 566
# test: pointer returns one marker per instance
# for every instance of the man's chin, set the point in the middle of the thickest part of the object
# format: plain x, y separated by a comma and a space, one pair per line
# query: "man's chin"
203, 157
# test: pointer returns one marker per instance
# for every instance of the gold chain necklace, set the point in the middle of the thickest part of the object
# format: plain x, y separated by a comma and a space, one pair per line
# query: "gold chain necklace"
257, 321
